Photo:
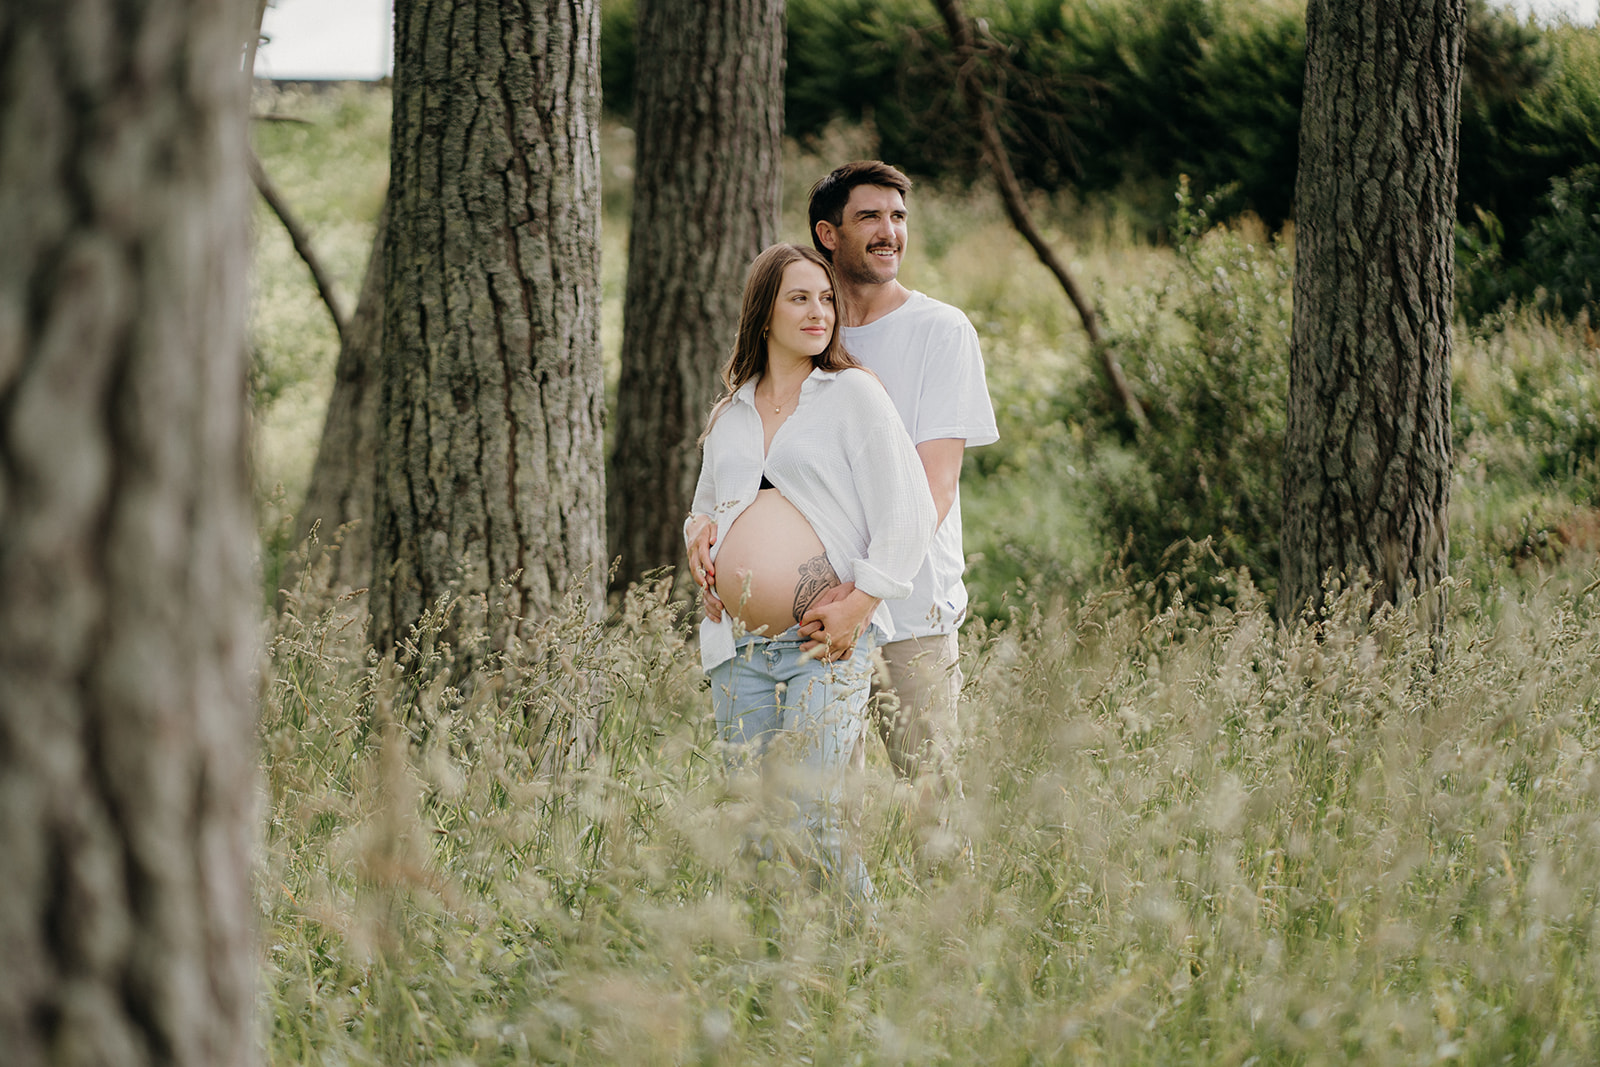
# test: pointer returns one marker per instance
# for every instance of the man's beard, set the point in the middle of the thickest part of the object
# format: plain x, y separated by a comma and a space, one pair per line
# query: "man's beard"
862, 273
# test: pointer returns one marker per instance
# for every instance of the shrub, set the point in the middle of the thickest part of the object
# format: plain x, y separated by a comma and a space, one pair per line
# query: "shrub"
617, 51
1485, 282
1536, 121
1562, 260
1565, 242
1525, 423
1209, 353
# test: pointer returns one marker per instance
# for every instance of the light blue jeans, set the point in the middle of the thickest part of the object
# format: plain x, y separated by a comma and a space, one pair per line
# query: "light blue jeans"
802, 720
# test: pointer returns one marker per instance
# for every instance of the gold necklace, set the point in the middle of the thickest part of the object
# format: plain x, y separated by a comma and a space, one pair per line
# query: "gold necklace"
777, 408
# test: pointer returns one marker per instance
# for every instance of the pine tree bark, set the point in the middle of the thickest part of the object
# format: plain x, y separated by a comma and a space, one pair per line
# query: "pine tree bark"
708, 130
128, 621
490, 479
1367, 467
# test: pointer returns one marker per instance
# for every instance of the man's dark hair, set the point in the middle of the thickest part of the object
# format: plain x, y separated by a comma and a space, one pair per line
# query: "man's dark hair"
832, 192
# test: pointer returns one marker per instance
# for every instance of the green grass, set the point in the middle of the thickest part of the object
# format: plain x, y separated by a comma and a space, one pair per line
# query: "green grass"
1197, 837
328, 153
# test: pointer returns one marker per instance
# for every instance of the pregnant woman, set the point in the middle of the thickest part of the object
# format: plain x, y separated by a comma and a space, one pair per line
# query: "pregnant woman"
808, 481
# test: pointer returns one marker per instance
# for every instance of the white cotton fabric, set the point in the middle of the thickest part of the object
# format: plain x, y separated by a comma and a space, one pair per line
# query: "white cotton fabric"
844, 460
927, 356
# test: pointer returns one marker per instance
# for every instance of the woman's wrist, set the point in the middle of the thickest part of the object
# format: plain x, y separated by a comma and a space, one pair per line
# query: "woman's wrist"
693, 525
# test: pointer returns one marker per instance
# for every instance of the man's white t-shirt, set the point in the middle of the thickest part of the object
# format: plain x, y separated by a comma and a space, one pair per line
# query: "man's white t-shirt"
927, 356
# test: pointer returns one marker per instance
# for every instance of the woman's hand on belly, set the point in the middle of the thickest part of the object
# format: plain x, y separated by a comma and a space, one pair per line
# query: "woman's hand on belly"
701, 567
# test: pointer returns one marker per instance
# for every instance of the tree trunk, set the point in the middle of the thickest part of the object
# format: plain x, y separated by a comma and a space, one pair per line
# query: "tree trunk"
708, 158
490, 479
1367, 467
127, 626
339, 497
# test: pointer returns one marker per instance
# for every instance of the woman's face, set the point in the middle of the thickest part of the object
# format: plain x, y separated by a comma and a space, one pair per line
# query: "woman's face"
802, 318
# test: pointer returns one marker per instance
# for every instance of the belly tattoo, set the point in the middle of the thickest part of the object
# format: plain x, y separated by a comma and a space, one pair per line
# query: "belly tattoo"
816, 577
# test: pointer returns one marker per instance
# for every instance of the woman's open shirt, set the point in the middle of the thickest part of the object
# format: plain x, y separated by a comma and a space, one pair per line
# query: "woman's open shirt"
845, 461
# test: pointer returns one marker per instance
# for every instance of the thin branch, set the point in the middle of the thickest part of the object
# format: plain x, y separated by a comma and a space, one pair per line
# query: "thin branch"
302, 242
275, 200
1016, 204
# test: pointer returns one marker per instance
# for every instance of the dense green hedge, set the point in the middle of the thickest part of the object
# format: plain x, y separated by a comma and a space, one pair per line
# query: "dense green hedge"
1530, 190
1103, 98
1120, 98
1559, 272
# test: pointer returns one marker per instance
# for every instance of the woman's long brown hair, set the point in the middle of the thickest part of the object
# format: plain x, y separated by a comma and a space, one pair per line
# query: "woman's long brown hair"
749, 359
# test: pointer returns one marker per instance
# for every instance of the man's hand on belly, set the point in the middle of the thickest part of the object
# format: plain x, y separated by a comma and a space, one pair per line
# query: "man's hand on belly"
808, 629
833, 626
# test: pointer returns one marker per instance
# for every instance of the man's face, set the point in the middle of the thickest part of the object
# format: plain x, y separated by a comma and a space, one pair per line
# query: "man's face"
870, 240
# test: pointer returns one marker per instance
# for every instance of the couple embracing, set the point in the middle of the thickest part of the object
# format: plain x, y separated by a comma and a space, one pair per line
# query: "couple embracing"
827, 518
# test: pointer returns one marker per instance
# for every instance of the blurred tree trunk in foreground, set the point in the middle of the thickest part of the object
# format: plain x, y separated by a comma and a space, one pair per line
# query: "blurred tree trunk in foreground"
708, 129
339, 496
490, 480
127, 629
1367, 466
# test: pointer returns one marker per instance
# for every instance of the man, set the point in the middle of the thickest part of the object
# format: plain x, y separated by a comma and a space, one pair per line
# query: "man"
927, 356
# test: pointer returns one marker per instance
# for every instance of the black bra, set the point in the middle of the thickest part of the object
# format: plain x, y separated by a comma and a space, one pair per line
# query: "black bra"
766, 483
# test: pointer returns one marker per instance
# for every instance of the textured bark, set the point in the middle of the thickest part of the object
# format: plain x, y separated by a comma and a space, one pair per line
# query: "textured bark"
339, 497
708, 157
1367, 468
490, 464
127, 629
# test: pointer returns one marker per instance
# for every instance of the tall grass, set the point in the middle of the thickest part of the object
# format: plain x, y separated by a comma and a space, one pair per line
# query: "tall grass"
1196, 836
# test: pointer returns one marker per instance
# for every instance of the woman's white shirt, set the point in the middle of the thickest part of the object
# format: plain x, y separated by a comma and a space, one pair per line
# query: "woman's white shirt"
845, 461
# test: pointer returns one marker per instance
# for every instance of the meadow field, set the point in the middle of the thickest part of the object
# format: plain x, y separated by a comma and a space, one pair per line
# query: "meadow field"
1189, 833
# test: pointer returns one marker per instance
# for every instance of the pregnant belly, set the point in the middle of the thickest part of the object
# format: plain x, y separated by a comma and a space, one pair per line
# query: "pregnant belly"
771, 565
